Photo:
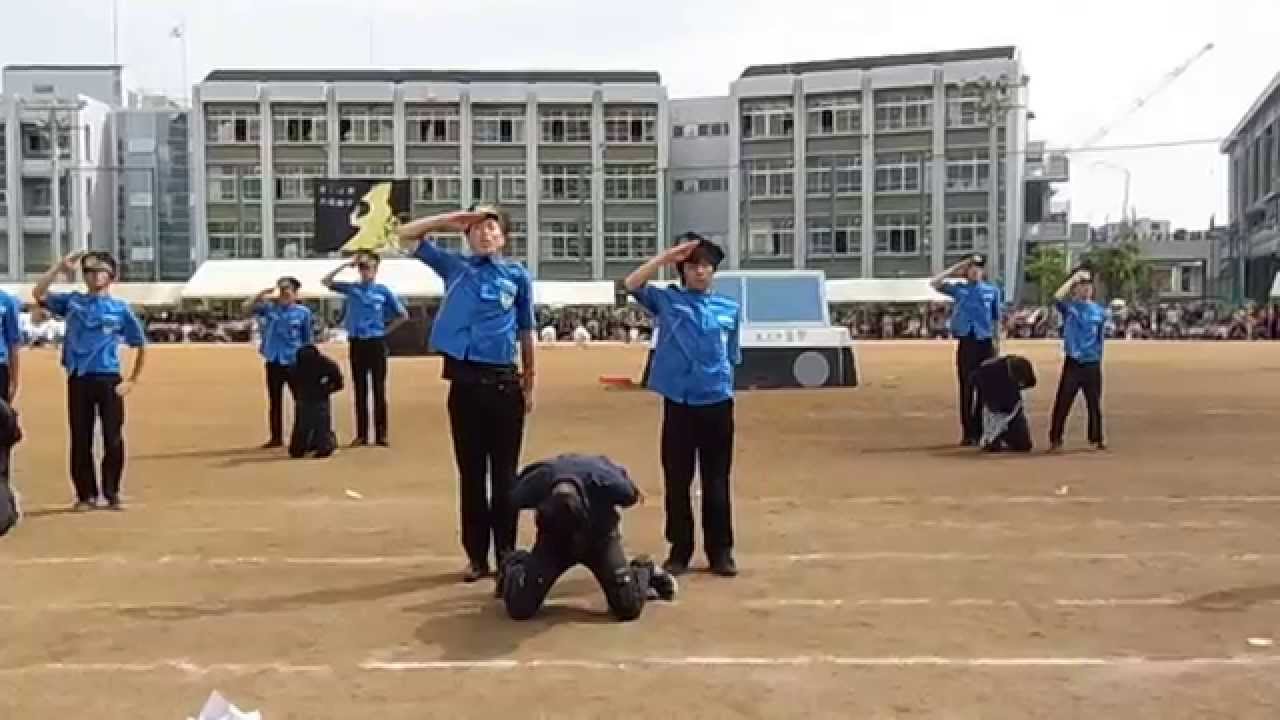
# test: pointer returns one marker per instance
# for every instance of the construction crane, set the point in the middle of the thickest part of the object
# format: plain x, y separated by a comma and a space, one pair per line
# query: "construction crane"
1142, 100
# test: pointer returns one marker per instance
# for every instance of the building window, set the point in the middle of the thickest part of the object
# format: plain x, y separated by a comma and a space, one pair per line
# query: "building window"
499, 183
705, 185
296, 239
1186, 278
767, 119
297, 183
231, 239
637, 125
715, 129
630, 182
772, 238
900, 171
372, 125
570, 126
964, 108
968, 169
773, 178
834, 114
232, 127
300, 126
897, 234
224, 180
373, 170
564, 240
436, 183
844, 241
565, 182
630, 240
497, 126
433, 126
847, 178
517, 240
966, 232
903, 109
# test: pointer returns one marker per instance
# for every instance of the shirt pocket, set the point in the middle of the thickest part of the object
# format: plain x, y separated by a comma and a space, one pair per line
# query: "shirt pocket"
497, 294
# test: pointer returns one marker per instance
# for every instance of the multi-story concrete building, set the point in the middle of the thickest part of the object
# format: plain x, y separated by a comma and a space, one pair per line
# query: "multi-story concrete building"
153, 194
575, 157
1186, 264
873, 167
35, 179
1253, 248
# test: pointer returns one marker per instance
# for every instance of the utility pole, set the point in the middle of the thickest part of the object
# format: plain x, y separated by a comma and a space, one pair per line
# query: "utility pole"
55, 189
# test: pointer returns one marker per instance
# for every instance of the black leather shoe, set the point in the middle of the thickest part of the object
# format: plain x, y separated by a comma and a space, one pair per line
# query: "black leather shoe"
724, 566
474, 573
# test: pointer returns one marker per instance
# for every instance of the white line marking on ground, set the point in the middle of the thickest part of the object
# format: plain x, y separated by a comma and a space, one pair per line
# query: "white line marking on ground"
762, 558
188, 667
1047, 499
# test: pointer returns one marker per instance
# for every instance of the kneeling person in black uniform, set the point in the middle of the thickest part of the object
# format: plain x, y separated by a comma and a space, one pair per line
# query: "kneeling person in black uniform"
315, 378
1000, 382
10, 434
576, 499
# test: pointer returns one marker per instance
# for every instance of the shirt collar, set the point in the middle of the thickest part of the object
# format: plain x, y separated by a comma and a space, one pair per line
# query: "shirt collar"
478, 260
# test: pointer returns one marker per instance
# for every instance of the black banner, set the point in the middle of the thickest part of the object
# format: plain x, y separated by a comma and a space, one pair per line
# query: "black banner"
359, 213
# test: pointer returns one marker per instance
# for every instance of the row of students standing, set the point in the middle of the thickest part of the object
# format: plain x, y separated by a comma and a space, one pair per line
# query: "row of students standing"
990, 408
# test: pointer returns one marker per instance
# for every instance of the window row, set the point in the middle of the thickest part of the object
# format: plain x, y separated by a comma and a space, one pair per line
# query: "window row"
895, 234
696, 185
713, 129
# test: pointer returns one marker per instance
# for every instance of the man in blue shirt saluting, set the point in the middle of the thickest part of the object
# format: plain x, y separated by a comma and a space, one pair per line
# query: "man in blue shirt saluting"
1084, 325
96, 325
370, 314
485, 317
975, 323
692, 369
286, 327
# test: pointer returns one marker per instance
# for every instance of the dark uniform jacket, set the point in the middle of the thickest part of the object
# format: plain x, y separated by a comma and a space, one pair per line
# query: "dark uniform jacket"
603, 485
315, 376
1001, 381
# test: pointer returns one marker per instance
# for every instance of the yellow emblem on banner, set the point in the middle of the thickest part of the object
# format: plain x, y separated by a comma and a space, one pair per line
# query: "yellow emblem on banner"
375, 222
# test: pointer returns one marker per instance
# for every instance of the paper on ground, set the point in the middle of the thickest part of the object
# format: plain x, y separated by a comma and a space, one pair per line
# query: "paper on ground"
217, 708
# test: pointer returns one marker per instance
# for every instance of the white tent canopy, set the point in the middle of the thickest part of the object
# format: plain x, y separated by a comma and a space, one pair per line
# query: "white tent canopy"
558, 293
882, 290
1275, 287
218, 279
139, 294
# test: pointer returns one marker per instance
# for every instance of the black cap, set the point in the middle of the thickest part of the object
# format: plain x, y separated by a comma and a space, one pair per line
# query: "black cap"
979, 260
706, 250
98, 260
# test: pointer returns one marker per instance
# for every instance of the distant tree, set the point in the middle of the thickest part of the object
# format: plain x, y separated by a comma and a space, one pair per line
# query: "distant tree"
1047, 268
1122, 271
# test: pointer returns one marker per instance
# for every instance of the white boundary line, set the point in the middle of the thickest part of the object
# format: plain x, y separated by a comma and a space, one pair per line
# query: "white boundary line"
776, 603
323, 501
763, 558
188, 667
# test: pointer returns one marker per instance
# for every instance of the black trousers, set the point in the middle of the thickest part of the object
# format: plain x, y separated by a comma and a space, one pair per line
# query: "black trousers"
487, 423
1076, 377
278, 377
701, 434
92, 399
527, 577
312, 429
970, 353
1015, 438
4, 382
369, 367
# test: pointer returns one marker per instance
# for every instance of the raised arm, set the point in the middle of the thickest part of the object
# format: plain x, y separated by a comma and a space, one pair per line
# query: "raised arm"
327, 280
252, 303
40, 293
415, 231
646, 272
939, 282
1065, 290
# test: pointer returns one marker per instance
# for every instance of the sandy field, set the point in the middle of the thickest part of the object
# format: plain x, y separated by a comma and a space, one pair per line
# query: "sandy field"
886, 572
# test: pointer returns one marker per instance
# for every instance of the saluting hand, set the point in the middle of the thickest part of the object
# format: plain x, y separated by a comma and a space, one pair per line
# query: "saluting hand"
679, 253
72, 259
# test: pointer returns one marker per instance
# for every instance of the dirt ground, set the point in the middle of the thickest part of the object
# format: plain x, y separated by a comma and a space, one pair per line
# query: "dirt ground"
886, 573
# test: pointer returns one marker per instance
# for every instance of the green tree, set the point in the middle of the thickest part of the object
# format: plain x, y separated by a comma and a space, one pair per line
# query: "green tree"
1047, 268
1122, 271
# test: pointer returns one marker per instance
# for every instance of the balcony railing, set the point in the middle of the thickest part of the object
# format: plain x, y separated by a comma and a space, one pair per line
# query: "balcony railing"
1049, 231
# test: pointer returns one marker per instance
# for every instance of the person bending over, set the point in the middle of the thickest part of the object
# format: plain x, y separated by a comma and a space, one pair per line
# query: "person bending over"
575, 499
1000, 382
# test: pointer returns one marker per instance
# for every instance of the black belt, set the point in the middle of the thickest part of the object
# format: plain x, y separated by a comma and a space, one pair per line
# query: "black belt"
469, 371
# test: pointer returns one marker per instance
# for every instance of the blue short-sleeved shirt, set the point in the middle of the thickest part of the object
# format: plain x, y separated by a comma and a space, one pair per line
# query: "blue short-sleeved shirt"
697, 347
368, 309
976, 310
488, 301
96, 324
285, 329
10, 325
1083, 329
